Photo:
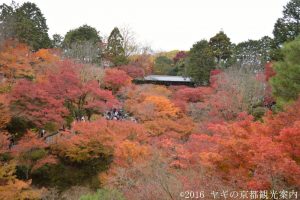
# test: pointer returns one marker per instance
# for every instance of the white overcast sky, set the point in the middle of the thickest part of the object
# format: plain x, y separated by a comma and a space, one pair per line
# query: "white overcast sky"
166, 24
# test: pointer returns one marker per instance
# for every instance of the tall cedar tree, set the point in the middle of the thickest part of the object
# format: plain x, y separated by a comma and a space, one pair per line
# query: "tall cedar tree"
114, 50
25, 23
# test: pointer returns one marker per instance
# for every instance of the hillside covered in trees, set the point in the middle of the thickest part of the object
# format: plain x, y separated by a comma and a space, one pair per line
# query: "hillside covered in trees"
73, 125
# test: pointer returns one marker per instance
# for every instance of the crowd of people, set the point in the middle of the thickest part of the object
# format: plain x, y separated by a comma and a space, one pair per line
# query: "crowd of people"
82, 118
115, 114
120, 114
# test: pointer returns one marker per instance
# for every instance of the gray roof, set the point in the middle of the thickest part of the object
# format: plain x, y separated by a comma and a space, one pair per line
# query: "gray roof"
167, 78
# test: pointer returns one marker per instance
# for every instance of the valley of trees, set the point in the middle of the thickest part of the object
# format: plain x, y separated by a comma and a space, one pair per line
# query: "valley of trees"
73, 125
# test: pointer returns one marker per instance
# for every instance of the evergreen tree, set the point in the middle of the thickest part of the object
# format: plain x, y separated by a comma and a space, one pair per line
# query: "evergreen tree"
221, 47
286, 83
7, 20
163, 65
25, 23
57, 41
286, 28
200, 62
83, 43
82, 34
114, 50
253, 53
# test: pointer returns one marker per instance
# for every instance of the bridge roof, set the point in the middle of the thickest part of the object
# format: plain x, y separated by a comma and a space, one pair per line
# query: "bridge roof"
167, 78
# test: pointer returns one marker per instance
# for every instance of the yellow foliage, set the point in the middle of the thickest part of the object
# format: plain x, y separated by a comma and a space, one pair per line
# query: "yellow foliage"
152, 107
12, 188
129, 152
163, 107
148, 102
177, 128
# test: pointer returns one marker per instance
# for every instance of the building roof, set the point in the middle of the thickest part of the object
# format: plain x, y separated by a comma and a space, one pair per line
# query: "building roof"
167, 78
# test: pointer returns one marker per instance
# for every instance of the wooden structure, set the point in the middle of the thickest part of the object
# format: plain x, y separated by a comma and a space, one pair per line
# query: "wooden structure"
165, 80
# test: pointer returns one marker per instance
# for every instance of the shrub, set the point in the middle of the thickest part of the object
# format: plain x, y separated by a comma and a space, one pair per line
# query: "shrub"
104, 194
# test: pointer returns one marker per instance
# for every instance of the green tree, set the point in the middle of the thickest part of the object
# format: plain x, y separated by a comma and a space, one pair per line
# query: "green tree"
7, 21
25, 23
57, 41
82, 34
114, 50
179, 68
221, 47
286, 28
179, 64
163, 65
286, 83
253, 53
83, 43
265, 48
200, 62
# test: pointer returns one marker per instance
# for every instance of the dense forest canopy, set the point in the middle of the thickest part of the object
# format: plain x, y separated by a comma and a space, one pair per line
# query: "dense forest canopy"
73, 125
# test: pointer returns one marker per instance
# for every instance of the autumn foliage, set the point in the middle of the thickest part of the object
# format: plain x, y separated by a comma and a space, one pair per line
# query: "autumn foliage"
249, 154
87, 141
4, 112
18, 61
166, 139
114, 79
62, 93
133, 71
33, 101
13, 188
15, 59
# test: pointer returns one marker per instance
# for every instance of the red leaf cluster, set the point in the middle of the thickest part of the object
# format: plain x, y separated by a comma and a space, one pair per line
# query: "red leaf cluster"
133, 71
53, 99
114, 79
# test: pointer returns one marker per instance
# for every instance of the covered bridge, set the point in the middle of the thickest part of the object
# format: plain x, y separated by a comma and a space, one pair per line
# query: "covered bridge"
165, 80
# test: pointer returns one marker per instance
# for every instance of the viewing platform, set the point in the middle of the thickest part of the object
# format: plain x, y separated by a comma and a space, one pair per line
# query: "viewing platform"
165, 80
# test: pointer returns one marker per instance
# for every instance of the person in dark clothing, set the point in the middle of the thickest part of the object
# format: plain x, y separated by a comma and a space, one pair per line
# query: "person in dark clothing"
11, 142
42, 133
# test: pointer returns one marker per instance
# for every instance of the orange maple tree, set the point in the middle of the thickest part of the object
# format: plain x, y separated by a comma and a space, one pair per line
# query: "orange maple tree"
15, 59
92, 140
